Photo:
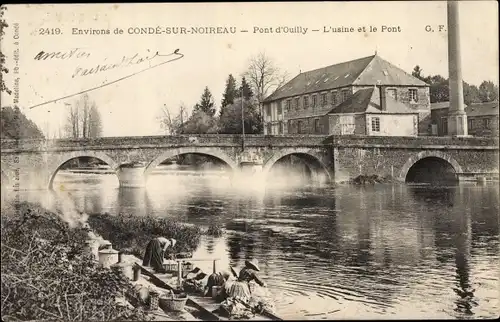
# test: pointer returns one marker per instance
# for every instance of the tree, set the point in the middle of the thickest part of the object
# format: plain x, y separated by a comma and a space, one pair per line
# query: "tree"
230, 93
264, 76
200, 122
417, 72
206, 104
440, 88
3, 69
488, 92
15, 125
84, 119
230, 121
173, 125
247, 90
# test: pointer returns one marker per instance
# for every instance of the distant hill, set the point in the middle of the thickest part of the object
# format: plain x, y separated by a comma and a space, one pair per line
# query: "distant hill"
15, 125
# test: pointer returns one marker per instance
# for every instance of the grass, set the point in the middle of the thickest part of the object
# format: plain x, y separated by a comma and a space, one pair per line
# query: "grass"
131, 234
48, 272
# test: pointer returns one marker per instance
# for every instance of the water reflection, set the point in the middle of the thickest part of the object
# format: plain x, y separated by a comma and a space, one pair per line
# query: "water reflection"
402, 251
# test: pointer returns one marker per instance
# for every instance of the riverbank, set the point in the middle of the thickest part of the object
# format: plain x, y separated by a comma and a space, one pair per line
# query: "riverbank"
50, 271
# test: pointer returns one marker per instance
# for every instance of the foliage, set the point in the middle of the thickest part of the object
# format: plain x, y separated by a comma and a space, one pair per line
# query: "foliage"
206, 104
200, 122
131, 234
440, 89
230, 121
230, 93
247, 90
488, 92
171, 124
15, 125
215, 229
264, 76
3, 69
84, 119
48, 273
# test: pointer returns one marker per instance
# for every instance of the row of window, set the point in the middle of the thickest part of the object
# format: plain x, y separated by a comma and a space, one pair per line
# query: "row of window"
478, 123
301, 129
323, 99
314, 102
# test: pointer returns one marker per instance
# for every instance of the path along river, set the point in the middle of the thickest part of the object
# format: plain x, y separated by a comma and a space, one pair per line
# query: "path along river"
394, 251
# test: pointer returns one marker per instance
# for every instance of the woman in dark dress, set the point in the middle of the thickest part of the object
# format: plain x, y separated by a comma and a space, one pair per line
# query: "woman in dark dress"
155, 252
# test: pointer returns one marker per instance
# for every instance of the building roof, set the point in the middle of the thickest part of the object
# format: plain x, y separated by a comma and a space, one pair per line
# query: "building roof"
367, 100
438, 105
474, 109
369, 70
482, 109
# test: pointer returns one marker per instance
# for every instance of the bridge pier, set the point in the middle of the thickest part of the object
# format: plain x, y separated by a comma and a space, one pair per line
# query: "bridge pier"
131, 175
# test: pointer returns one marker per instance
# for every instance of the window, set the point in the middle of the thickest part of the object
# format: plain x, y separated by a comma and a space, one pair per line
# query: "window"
299, 127
345, 94
297, 103
486, 123
268, 110
469, 123
280, 110
347, 124
306, 101
316, 126
314, 101
323, 99
280, 127
375, 124
444, 125
413, 95
334, 97
288, 105
289, 126
393, 93
269, 129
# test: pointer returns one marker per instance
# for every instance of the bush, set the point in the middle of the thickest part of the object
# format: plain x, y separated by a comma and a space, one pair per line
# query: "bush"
215, 230
131, 234
48, 273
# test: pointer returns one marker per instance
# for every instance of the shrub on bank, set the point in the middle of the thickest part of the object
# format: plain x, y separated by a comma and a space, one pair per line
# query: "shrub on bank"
49, 274
131, 234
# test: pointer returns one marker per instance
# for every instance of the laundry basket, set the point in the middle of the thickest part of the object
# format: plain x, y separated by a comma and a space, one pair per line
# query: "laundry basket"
174, 302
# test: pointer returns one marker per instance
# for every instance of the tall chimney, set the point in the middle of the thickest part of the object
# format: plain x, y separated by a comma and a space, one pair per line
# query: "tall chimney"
457, 118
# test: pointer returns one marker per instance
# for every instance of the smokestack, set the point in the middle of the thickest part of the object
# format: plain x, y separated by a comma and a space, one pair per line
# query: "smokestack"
457, 118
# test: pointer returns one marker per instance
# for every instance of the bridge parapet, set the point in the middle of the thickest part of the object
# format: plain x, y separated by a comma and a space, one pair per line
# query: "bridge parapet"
205, 140
422, 142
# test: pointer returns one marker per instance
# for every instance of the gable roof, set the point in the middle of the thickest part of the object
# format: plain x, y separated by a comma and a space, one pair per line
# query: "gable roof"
369, 70
482, 109
474, 109
368, 100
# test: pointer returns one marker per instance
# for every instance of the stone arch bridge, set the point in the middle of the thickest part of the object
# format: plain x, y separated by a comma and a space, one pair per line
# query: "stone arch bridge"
32, 164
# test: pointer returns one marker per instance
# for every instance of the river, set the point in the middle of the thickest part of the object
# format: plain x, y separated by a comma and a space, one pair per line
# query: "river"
384, 251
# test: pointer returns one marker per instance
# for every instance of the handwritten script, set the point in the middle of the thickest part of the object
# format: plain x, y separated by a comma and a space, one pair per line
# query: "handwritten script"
152, 60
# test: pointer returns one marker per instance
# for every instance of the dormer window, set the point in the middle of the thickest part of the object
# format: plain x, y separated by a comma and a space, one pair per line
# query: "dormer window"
385, 73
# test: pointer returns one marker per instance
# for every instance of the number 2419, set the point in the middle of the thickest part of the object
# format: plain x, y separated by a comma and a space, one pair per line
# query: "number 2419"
49, 31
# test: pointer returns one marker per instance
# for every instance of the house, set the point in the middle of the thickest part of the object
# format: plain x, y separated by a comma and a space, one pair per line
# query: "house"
482, 118
366, 96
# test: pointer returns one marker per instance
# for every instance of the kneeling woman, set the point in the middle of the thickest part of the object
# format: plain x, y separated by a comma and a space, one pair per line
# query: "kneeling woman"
155, 252
240, 289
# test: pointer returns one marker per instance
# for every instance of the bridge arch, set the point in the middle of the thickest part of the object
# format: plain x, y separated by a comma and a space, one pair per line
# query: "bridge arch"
304, 153
78, 154
214, 152
428, 155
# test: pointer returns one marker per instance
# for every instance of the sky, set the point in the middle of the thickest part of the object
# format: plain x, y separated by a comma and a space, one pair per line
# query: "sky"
130, 103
